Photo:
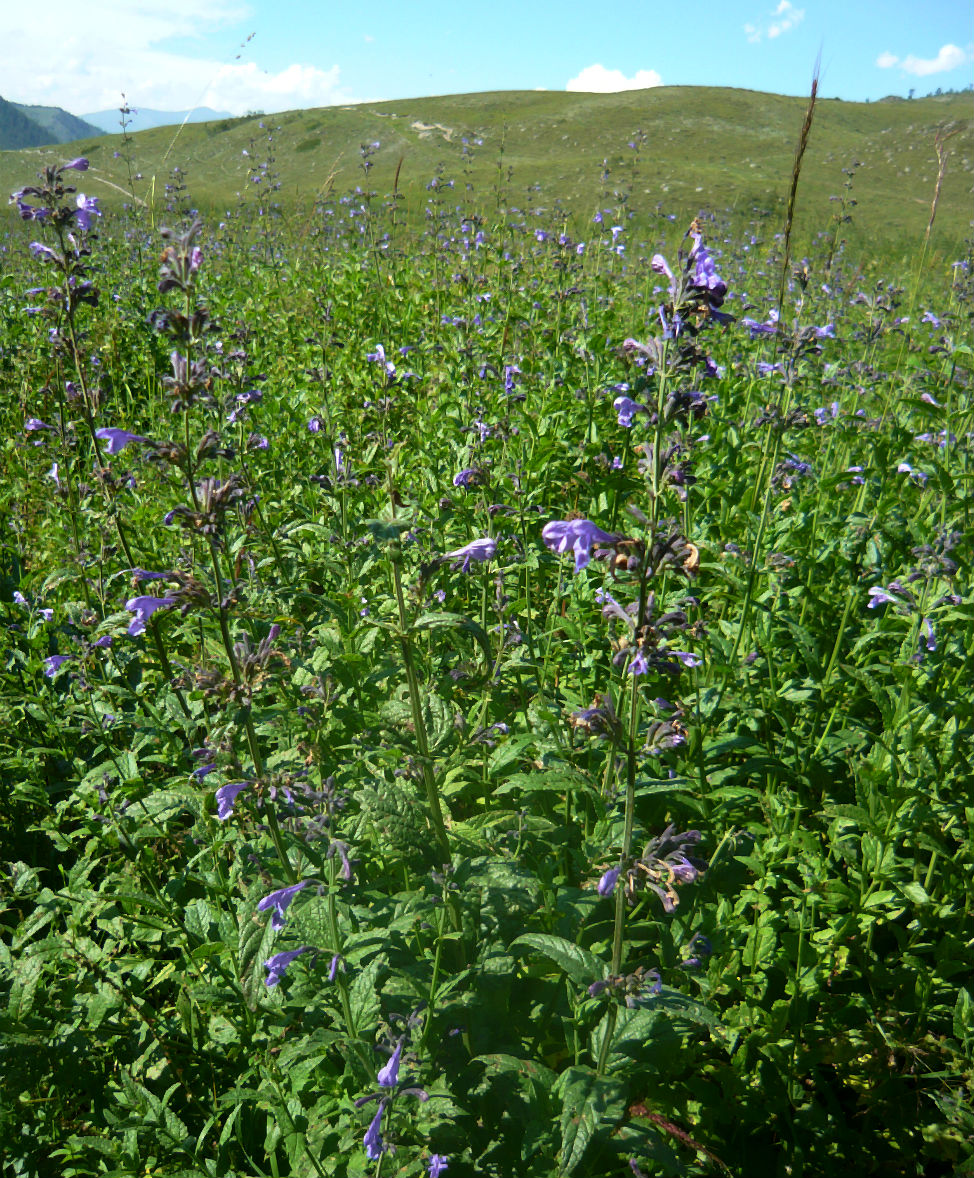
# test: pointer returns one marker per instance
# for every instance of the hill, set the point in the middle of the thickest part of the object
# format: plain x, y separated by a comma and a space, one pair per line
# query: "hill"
24, 126
143, 119
696, 149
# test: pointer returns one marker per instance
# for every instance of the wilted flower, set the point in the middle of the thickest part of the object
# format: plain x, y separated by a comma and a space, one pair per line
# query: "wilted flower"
278, 902
277, 965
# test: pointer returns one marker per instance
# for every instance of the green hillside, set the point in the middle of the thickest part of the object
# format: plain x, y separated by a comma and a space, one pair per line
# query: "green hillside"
58, 124
705, 149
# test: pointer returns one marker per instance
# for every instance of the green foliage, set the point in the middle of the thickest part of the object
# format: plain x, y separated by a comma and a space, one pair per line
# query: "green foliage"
662, 858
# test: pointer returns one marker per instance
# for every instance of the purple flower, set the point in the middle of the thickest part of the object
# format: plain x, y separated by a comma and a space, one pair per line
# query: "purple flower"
705, 275
607, 883
470, 476
685, 657
87, 207
480, 550
639, 665
627, 409
31, 212
373, 1137
276, 966
578, 534
117, 439
931, 638
144, 608
226, 796
333, 966
389, 1075
53, 663
78, 165
437, 1164
279, 901
44, 252
881, 596
34, 423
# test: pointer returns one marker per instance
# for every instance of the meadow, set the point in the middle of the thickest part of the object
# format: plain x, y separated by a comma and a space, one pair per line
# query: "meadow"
487, 675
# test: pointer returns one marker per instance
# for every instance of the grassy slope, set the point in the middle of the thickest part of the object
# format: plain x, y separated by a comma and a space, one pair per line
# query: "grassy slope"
707, 149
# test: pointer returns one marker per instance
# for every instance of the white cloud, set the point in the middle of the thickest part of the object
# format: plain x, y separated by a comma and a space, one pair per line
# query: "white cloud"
123, 50
950, 57
596, 79
782, 19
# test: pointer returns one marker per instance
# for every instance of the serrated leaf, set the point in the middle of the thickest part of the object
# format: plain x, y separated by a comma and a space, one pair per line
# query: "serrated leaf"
581, 966
589, 1102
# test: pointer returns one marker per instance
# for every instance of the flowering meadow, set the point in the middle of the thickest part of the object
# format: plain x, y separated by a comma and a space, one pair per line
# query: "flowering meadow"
487, 694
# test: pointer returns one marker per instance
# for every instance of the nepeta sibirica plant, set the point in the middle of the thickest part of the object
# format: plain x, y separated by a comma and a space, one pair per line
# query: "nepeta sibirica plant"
442, 733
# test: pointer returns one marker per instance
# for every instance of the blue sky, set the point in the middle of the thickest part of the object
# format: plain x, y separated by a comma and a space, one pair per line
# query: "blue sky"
280, 55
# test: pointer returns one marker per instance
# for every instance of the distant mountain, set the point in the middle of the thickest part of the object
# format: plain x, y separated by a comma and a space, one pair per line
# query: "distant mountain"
57, 125
143, 119
37, 126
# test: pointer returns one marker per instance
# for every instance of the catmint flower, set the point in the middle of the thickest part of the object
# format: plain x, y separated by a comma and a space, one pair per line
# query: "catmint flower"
685, 657
479, 550
87, 207
389, 1075
437, 1164
333, 966
144, 608
931, 639
627, 409
117, 439
278, 902
52, 664
277, 965
373, 1136
33, 424
607, 883
578, 534
226, 797
470, 476
78, 165
880, 596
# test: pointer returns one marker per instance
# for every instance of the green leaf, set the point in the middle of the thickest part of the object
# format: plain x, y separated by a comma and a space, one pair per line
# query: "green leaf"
580, 965
589, 1102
